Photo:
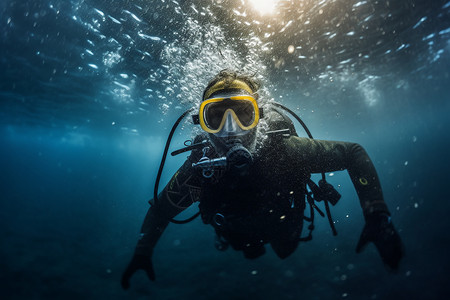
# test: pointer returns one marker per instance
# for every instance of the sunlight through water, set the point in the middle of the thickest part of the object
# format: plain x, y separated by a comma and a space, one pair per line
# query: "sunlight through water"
264, 6
90, 91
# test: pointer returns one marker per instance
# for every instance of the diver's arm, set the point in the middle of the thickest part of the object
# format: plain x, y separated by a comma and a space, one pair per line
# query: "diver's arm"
316, 156
156, 220
329, 156
174, 198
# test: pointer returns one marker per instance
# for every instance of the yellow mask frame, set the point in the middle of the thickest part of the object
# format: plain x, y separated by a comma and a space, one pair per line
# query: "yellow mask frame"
204, 123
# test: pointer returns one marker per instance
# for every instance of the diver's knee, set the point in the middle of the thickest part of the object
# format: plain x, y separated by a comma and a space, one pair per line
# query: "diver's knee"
285, 248
253, 252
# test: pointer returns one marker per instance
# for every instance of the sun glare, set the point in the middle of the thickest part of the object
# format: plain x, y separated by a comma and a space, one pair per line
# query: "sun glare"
264, 6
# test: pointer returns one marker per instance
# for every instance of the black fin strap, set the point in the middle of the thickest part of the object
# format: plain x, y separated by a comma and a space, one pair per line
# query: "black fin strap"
187, 220
327, 208
318, 210
317, 193
330, 219
310, 219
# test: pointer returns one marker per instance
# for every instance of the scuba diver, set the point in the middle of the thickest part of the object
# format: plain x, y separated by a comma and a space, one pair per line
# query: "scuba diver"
250, 174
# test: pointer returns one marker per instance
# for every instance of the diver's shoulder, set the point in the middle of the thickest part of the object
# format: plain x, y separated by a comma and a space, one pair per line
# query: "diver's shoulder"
277, 120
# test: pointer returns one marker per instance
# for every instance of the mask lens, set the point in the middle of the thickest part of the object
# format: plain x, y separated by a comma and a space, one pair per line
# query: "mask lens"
244, 110
213, 113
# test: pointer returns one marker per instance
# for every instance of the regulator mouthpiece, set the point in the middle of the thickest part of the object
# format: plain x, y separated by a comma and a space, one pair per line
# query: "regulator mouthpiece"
239, 158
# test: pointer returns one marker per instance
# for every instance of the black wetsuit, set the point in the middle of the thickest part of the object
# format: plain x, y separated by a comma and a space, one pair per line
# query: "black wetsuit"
266, 205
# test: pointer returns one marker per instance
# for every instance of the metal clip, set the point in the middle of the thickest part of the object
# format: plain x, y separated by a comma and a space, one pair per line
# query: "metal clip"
208, 164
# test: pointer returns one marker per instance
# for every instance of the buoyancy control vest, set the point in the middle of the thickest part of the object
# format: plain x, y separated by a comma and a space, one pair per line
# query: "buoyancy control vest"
323, 192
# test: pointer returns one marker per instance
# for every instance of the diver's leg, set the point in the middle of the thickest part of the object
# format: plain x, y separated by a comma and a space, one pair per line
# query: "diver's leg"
254, 251
288, 236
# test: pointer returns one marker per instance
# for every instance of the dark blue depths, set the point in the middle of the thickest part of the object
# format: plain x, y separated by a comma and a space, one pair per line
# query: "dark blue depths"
74, 185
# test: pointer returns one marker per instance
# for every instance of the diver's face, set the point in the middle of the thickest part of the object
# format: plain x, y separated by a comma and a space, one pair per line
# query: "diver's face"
234, 116
229, 114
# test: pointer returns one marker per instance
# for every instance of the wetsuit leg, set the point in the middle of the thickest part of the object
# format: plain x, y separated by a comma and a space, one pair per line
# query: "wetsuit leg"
254, 251
287, 236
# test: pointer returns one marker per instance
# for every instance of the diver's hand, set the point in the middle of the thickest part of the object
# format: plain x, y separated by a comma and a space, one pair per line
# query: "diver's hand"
381, 232
143, 262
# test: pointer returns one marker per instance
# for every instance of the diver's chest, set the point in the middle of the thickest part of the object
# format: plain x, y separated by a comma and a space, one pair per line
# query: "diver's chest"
252, 190
250, 198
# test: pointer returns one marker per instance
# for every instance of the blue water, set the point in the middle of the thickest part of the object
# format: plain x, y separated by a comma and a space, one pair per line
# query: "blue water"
89, 90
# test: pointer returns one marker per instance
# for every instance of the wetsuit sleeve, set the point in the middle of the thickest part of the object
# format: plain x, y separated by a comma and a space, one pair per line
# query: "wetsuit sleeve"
329, 156
179, 194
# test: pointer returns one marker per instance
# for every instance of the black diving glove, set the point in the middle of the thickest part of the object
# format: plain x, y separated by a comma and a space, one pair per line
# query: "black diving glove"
380, 230
138, 262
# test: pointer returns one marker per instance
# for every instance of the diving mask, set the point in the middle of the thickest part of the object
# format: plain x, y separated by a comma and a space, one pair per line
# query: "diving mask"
233, 115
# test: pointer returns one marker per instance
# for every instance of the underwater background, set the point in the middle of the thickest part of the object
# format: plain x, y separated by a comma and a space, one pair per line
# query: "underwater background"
89, 90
